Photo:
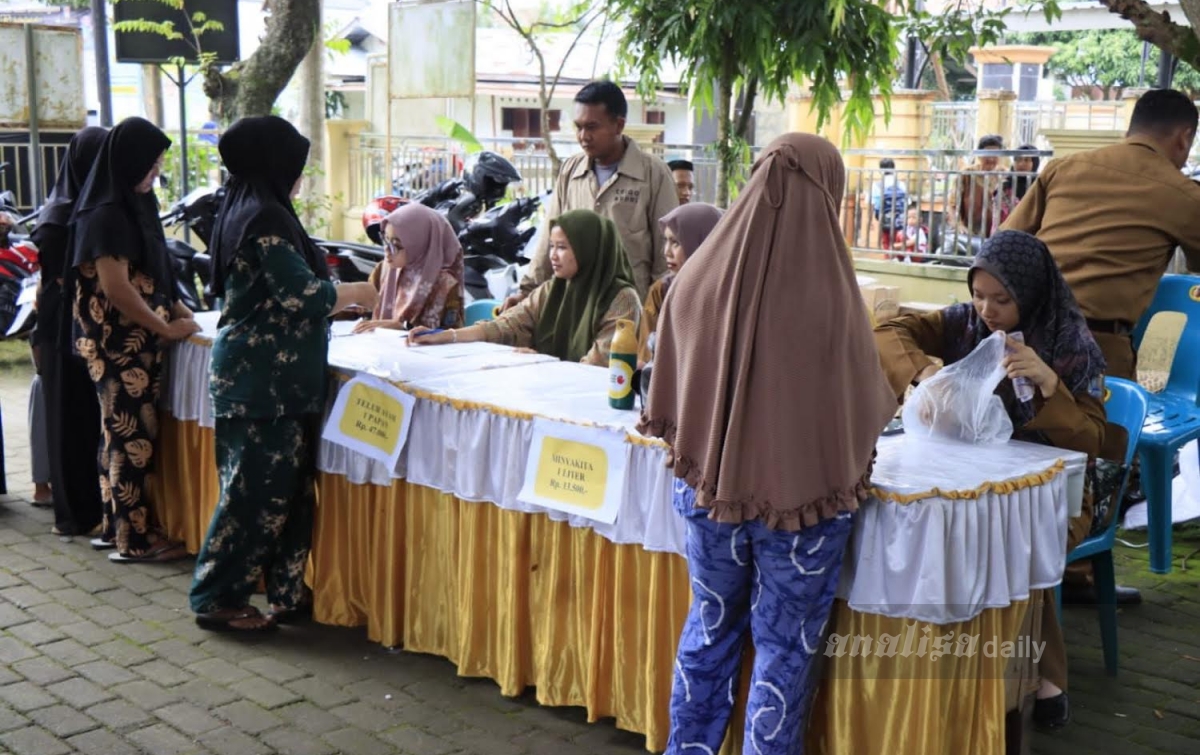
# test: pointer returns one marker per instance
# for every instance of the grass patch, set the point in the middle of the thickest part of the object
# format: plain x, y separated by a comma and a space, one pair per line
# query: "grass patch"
14, 353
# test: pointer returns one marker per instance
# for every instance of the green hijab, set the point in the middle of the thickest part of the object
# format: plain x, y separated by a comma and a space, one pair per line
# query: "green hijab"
574, 309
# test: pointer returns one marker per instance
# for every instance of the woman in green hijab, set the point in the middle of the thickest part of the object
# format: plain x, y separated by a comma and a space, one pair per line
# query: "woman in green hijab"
573, 315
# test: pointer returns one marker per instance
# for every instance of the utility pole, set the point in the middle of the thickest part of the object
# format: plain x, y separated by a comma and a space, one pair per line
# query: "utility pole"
100, 47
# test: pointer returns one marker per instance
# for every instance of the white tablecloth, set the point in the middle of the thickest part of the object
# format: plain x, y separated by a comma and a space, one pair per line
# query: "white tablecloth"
941, 558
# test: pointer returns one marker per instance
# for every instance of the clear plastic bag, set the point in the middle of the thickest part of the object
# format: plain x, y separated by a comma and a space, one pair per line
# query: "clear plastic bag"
959, 402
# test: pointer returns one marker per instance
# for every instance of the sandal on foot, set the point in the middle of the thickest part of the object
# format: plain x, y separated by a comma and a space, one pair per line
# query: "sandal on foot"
300, 613
221, 621
157, 555
100, 544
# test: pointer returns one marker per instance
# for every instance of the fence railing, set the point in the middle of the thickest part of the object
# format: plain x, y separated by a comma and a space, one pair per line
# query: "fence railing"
17, 174
923, 213
419, 163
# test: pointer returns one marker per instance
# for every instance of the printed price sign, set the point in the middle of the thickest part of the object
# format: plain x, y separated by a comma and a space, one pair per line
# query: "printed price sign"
371, 417
576, 470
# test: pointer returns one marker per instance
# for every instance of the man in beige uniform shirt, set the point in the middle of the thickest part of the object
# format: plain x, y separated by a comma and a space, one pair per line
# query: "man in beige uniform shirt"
1112, 218
614, 178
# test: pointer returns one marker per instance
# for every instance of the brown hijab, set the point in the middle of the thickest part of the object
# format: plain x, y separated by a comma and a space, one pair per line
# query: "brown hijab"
791, 442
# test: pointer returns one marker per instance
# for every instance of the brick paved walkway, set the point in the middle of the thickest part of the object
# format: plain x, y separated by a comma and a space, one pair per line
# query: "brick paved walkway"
92, 665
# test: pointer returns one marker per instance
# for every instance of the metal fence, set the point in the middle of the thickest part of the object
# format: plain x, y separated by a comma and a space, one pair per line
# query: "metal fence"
418, 163
924, 213
16, 175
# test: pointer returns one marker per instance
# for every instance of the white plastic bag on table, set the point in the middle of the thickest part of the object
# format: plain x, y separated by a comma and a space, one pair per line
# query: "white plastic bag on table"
959, 402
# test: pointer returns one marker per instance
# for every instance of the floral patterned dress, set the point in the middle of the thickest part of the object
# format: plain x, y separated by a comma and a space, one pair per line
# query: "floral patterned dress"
125, 363
268, 386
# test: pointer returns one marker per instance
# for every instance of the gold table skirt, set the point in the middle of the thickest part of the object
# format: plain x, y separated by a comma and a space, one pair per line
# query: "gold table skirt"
526, 601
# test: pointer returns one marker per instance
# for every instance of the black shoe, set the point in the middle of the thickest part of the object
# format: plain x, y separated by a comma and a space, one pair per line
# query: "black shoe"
1052, 712
1086, 596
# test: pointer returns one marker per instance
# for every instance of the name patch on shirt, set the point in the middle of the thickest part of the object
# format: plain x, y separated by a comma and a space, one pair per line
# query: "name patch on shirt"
627, 195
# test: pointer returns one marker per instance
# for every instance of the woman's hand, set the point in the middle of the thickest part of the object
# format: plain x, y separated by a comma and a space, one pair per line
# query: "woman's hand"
366, 326
1024, 362
525, 350
178, 330
423, 336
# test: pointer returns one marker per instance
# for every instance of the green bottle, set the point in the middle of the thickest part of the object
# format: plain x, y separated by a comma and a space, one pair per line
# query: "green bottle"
622, 362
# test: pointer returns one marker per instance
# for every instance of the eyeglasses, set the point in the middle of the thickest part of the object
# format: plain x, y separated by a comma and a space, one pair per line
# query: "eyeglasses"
392, 245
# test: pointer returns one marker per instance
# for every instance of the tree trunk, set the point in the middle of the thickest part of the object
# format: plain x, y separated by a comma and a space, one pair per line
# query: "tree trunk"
746, 116
939, 75
152, 95
250, 87
726, 154
312, 121
548, 139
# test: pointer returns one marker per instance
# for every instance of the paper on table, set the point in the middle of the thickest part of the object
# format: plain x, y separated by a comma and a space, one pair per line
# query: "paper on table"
339, 328
1185, 492
455, 350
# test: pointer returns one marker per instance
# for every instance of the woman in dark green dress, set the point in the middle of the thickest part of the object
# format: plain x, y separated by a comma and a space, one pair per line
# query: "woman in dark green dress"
268, 381
125, 313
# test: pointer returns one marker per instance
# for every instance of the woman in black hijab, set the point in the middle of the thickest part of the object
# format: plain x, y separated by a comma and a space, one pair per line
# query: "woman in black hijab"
125, 314
69, 393
267, 400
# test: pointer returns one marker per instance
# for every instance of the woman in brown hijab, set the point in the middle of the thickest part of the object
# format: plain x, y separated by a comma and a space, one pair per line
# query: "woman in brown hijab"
772, 404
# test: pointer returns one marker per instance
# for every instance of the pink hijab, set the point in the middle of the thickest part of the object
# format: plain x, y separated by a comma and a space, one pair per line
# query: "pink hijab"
432, 248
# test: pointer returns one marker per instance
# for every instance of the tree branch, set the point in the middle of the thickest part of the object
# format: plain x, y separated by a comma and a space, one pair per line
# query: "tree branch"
563, 63
1157, 28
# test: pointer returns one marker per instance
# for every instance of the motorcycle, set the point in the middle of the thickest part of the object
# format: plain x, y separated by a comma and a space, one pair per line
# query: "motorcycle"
193, 268
20, 272
495, 248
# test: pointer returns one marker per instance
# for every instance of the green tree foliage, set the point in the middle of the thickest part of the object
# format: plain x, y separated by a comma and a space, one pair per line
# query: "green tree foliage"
1109, 60
842, 49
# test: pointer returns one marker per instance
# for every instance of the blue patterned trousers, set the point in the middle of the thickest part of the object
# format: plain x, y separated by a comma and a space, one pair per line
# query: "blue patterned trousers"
780, 587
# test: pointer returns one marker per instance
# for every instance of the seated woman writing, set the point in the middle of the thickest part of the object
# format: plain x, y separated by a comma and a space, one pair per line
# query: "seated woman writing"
573, 315
1017, 288
420, 282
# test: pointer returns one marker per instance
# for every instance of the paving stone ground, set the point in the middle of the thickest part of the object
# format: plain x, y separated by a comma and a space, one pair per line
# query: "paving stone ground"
100, 658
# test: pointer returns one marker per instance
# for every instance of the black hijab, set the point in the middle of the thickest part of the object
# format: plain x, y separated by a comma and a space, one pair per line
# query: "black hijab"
1051, 321
72, 173
110, 218
1019, 183
265, 156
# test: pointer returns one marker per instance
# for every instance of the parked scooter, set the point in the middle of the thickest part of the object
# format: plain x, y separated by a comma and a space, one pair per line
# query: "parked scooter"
193, 268
20, 272
494, 248
484, 183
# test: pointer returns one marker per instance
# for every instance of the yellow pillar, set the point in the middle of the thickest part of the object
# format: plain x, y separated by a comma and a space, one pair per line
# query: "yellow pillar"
1130, 98
996, 115
341, 136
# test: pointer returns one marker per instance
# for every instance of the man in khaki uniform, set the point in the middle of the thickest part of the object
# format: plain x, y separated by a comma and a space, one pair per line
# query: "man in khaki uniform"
1112, 218
613, 177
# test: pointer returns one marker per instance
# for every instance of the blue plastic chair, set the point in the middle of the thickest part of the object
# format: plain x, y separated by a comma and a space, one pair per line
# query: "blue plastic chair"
480, 310
1174, 415
1127, 405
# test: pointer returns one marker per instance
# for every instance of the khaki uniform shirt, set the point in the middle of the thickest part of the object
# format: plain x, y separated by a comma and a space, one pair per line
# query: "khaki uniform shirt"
1112, 218
638, 194
518, 325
